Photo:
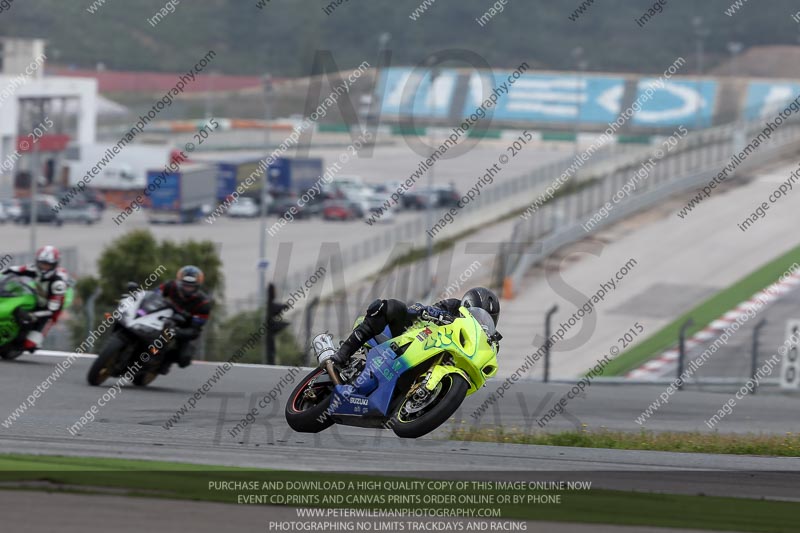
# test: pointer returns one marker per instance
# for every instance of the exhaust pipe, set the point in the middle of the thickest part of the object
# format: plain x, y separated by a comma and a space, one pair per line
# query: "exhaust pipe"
325, 350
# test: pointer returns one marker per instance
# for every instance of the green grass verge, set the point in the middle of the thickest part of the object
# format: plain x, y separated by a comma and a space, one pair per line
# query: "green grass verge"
787, 445
192, 482
558, 136
703, 314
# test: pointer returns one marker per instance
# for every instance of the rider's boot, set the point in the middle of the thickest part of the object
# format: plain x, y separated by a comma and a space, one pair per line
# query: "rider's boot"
184, 359
32, 341
352, 343
184, 355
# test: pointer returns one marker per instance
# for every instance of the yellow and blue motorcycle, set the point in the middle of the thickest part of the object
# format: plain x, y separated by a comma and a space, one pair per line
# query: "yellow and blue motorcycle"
412, 383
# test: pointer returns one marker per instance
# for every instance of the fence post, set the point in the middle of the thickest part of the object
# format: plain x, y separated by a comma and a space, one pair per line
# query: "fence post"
310, 308
754, 354
547, 319
682, 350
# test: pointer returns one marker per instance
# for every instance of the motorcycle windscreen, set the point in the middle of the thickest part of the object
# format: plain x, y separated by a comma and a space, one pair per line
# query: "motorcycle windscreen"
484, 319
153, 302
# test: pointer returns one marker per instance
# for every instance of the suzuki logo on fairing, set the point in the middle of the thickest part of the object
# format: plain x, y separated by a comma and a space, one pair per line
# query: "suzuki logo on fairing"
359, 401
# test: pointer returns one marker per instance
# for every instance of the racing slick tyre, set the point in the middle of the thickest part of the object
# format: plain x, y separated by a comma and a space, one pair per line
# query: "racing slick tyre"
144, 378
104, 364
418, 416
10, 353
303, 412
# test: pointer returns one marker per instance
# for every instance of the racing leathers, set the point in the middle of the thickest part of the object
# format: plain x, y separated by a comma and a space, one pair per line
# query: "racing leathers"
395, 314
52, 287
191, 314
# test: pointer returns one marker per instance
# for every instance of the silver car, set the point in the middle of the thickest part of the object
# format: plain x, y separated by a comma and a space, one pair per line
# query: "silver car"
81, 212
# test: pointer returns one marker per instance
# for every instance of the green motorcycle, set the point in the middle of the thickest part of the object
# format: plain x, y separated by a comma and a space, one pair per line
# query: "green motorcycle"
18, 297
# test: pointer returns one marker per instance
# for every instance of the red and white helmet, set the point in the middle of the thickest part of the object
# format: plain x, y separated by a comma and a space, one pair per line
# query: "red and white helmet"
47, 259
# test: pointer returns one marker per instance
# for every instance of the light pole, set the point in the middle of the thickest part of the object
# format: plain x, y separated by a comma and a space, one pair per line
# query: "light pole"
38, 105
582, 64
266, 80
735, 48
262, 240
700, 32
209, 107
434, 72
377, 100
547, 320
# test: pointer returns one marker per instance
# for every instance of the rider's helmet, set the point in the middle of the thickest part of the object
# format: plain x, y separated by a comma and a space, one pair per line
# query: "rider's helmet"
47, 258
483, 298
189, 279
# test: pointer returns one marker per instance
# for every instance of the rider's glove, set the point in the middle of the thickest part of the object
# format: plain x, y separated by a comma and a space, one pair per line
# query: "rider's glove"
437, 315
428, 312
416, 309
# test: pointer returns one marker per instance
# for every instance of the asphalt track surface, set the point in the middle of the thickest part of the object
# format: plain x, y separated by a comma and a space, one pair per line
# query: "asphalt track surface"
680, 263
131, 426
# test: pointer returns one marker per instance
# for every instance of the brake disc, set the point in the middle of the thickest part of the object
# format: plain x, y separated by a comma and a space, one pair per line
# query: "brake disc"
421, 399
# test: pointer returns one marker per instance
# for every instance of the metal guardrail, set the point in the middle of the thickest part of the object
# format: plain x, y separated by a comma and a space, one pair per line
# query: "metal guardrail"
696, 160
412, 233
69, 258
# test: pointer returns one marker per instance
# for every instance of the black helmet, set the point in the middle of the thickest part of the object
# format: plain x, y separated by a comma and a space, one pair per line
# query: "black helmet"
483, 298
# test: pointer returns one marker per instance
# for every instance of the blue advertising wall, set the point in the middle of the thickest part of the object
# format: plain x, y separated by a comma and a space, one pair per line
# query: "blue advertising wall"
558, 99
676, 102
548, 98
767, 98
408, 92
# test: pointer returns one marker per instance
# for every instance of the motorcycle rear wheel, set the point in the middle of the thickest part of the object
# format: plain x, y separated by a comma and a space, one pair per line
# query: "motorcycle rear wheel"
304, 416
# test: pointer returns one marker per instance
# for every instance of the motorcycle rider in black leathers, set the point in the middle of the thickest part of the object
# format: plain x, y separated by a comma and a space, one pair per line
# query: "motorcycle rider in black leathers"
192, 306
399, 317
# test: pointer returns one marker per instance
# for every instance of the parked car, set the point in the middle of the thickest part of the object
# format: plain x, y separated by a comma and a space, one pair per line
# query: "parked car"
82, 212
44, 212
387, 188
94, 198
339, 210
416, 199
360, 208
280, 208
245, 207
12, 208
3, 214
376, 206
446, 195
315, 205
86, 196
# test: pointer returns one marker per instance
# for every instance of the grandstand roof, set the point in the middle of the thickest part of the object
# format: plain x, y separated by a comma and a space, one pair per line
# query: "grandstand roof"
110, 81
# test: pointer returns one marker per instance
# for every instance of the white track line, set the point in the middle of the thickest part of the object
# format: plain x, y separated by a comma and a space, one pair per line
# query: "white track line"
654, 367
56, 353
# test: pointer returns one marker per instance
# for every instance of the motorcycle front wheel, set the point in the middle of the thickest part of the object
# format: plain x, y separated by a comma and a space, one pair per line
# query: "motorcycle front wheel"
144, 378
8, 353
104, 364
418, 415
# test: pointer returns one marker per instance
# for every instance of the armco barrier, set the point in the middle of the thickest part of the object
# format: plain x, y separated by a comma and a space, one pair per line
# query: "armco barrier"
698, 158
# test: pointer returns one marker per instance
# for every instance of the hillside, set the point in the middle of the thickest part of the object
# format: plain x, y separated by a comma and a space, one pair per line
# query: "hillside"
282, 37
